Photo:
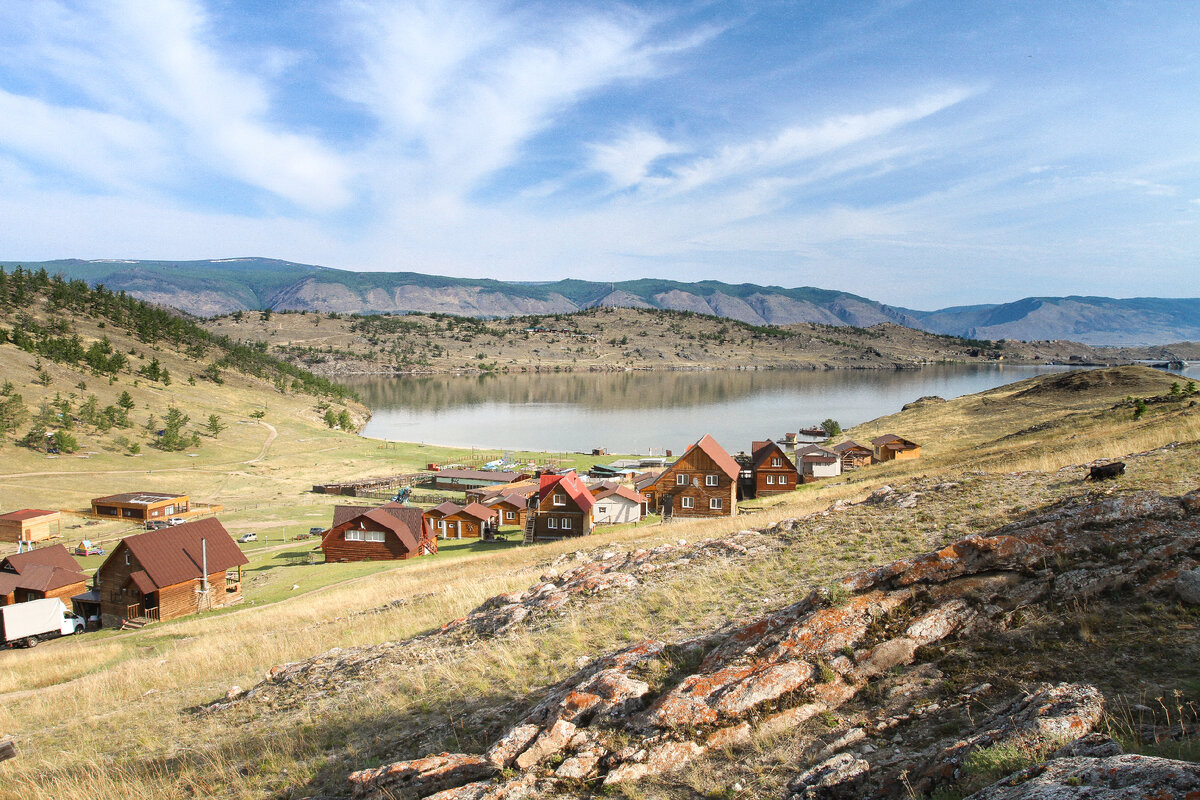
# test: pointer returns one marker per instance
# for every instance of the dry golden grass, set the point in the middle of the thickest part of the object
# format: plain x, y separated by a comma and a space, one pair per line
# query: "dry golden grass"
103, 717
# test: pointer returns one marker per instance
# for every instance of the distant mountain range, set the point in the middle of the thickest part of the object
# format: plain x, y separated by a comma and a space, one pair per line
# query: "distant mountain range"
208, 288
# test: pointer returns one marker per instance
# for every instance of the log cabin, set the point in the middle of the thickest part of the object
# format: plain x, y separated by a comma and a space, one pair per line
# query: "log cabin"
367, 533
564, 508
773, 471
169, 573
452, 521
511, 509
702, 483
48, 572
891, 447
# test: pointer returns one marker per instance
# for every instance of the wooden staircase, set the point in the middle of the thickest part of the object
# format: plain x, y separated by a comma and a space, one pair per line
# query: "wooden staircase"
529, 526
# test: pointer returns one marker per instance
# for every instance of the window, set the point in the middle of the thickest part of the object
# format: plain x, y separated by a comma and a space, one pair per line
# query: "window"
510, 515
441, 524
710, 480
715, 504
777, 462
552, 522
374, 536
782, 480
681, 480
354, 535
602, 510
770, 480
566, 523
560, 499
687, 502
168, 511
127, 559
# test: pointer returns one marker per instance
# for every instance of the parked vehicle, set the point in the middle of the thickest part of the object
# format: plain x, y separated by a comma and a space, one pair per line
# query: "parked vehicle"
248, 537
156, 524
315, 531
37, 620
176, 521
86, 548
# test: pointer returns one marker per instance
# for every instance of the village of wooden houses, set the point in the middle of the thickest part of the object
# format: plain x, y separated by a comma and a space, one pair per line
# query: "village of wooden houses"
181, 560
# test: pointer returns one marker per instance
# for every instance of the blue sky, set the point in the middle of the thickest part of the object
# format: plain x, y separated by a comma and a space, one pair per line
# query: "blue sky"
923, 154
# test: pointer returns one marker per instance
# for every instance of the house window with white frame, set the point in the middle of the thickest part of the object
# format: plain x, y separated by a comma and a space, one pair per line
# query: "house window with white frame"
552, 522
354, 535
566, 523
776, 462
510, 515
560, 499
681, 480
782, 480
375, 536
687, 502
770, 480
716, 504
710, 480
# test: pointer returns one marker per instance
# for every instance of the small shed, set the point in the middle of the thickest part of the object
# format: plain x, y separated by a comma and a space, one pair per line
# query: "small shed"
618, 504
452, 521
511, 509
30, 525
891, 447
818, 462
853, 454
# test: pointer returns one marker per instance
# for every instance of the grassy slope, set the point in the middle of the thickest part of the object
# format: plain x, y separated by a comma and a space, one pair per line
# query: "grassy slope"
141, 684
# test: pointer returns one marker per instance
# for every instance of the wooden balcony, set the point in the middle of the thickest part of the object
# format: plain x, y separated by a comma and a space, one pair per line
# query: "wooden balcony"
135, 612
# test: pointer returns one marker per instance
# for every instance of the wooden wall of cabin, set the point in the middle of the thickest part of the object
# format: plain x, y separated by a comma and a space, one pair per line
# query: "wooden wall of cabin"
337, 548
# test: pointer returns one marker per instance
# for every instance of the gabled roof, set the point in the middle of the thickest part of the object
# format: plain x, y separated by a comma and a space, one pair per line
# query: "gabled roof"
24, 514
445, 509
763, 450
571, 485
645, 479
174, 555
346, 513
55, 556
622, 491
512, 499
41, 570
816, 453
480, 475
893, 439
708, 445
405, 522
479, 511
850, 445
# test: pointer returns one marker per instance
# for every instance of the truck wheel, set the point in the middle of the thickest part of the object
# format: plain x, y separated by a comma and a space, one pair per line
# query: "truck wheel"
78, 629
31, 641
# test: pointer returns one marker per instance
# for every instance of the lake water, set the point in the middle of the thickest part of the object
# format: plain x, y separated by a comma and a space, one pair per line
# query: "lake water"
643, 412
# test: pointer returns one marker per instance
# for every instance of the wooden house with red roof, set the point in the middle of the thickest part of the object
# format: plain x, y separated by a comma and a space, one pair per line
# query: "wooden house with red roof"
564, 508
772, 470
891, 447
452, 521
168, 573
384, 533
853, 454
702, 483
48, 572
30, 525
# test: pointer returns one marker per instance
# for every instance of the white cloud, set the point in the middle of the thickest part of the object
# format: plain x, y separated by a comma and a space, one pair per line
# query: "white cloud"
627, 160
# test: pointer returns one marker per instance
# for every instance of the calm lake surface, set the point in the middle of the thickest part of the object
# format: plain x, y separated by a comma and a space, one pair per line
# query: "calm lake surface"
637, 412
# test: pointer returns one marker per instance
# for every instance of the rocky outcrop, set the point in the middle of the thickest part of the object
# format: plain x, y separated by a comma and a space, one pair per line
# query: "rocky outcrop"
653, 706
1123, 777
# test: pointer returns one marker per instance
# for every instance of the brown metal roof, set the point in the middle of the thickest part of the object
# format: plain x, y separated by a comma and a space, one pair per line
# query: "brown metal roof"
346, 513
54, 556
445, 509
138, 498
478, 511
708, 445
142, 581
173, 555
405, 522
24, 514
893, 439
850, 445
622, 491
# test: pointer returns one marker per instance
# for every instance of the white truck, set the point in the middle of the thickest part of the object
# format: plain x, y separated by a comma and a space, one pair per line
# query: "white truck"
27, 623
